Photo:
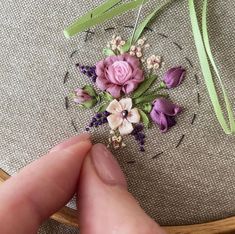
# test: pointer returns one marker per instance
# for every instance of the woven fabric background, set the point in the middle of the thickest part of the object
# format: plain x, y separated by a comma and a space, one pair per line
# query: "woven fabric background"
193, 183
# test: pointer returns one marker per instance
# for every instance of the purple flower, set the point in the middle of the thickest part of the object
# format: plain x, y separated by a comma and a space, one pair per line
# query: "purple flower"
163, 113
81, 96
174, 77
117, 74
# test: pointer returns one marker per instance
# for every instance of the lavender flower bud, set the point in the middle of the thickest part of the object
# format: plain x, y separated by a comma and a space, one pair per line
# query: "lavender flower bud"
81, 96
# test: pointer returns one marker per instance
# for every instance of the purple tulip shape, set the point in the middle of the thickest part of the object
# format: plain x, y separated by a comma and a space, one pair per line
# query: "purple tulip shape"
174, 77
163, 113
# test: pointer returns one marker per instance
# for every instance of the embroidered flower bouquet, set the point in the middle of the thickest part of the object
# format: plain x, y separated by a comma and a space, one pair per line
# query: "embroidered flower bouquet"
127, 94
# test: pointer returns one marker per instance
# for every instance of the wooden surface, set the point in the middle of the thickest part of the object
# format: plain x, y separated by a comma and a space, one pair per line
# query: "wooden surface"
227, 226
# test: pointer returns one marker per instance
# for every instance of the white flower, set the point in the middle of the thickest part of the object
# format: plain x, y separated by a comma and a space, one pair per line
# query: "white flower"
122, 116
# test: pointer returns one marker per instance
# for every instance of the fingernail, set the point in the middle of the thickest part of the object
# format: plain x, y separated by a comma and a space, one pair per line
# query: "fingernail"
107, 166
70, 142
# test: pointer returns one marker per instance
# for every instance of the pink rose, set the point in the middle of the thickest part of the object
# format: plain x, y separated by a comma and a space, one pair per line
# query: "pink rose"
118, 74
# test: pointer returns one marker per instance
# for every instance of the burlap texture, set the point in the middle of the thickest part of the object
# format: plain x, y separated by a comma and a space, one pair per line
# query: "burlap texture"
193, 183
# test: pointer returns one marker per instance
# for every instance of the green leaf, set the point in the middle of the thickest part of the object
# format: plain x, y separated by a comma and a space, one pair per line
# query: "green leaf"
90, 14
150, 97
144, 86
204, 52
102, 108
141, 27
146, 107
89, 104
106, 96
108, 52
144, 118
90, 90
103, 15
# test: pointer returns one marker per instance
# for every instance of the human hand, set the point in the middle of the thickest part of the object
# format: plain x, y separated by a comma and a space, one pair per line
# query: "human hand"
75, 166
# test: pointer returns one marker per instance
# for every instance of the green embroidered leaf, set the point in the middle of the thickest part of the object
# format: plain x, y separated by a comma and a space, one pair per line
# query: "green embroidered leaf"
103, 15
144, 118
89, 104
144, 86
146, 107
204, 52
106, 96
90, 90
141, 27
149, 98
102, 108
108, 52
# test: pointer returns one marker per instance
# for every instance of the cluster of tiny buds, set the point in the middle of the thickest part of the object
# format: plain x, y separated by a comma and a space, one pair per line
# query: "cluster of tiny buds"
98, 120
139, 136
154, 62
89, 71
115, 141
116, 44
137, 50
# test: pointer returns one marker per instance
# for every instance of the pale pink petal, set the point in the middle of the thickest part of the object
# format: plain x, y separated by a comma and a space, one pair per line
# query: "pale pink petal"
115, 120
129, 87
100, 68
102, 83
134, 116
134, 62
114, 107
126, 103
138, 75
125, 128
110, 60
114, 90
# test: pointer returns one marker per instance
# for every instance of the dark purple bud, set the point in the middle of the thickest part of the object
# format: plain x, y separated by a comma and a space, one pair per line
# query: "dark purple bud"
141, 135
87, 129
93, 79
89, 74
105, 120
174, 77
91, 124
94, 119
106, 113
163, 114
98, 116
139, 128
142, 149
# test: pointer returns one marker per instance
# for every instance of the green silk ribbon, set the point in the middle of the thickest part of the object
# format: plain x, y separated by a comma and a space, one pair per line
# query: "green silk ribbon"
204, 53
112, 8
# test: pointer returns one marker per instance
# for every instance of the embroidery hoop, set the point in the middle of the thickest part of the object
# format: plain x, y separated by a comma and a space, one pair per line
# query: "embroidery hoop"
68, 217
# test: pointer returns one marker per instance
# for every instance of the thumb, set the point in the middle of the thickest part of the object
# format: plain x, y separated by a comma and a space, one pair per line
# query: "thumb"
104, 203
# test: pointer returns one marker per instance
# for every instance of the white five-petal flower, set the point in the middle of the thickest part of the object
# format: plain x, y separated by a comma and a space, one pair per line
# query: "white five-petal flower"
122, 116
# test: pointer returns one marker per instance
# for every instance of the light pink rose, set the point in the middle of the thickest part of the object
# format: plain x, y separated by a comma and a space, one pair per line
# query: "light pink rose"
118, 74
